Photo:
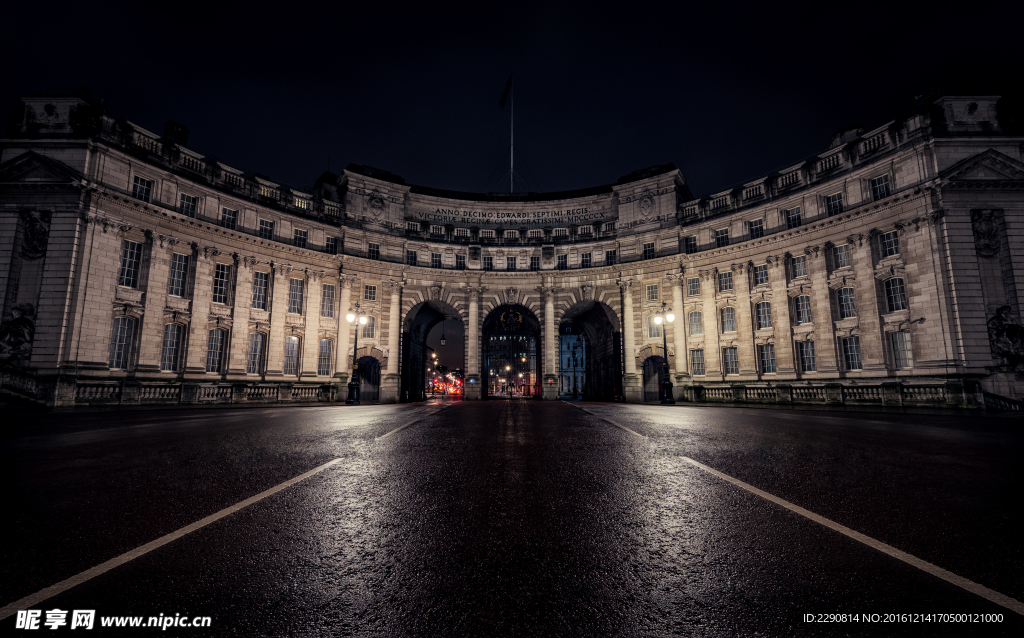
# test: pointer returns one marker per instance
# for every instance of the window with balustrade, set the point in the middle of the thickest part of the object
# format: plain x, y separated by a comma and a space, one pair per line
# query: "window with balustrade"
436, 229
728, 319
902, 352
731, 360
266, 229
412, 226
291, 356
462, 232
799, 266
880, 187
760, 274
229, 218
221, 283
303, 203
327, 301
724, 281
535, 233
696, 323
178, 277
324, 358
764, 315
216, 346
586, 230
131, 260
121, 342
511, 234
254, 356
170, 354
697, 362
802, 305
260, 286
847, 305
895, 294
851, 352
142, 188
834, 204
755, 228
805, 353
766, 357
721, 238
296, 287
560, 232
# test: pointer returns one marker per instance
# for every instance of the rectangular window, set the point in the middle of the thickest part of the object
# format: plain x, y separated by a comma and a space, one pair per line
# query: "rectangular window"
295, 290
188, 205
847, 307
728, 319
851, 352
652, 292
792, 218
535, 233
585, 260
299, 238
890, 244
834, 204
760, 274
689, 245
755, 227
410, 257
731, 360
563, 262
511, 234
266, 229
291, 355
215, 350
724, 281
229, 218
323, 360
560, 232
370, 329
303, 204
178, 276
766, 355
120, 342
413, 226
510, 263
800, 266
803, 309
764, 315
841, 256
805, 352
902, 353
332, 246
170, 354
696, 323
327, 301
895, 294
460, 262
486, 234
534, 262
435, 260
373, 251
653, 329
610, 257
488, 262
254, 358
692, 286
260, 284
370, 293
697, 362
586, 230
609, 227
721, 238
649, 250
131, 257
221, 283
142, 188
880, 187
436, 229
462, 232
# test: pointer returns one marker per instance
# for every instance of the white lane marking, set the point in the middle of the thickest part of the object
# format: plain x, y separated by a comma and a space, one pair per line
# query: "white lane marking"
971, 586
78, 579
412, 423
604, 418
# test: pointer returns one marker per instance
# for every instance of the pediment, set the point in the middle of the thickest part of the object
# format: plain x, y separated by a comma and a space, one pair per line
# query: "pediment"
988, 166
31, 167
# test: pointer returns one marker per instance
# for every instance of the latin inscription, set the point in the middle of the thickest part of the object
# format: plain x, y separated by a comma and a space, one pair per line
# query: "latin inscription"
563, 217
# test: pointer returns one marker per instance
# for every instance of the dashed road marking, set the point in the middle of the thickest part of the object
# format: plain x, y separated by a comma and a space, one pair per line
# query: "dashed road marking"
604, 418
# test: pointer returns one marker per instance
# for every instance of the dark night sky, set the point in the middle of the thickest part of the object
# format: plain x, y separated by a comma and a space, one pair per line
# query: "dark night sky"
725, 94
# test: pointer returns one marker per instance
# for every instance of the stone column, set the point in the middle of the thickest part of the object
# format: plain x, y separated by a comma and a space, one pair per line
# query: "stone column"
241, 298
778, 277
202, 297
161, 252
474, 375
632, 384
746, 322
278, 309
550, 379
311, 338
389, 385
714, 339
681, 370
872, 342
821, 317
343, 359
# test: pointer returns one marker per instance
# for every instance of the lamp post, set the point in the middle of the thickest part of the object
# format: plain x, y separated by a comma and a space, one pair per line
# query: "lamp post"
358, 317
665, 314
575, 382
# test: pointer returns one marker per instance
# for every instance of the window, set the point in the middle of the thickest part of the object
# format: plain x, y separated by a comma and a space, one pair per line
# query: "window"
721, 237
534, 262
486, 234
586, 230
724, 281
890, 244
880, 187
697, 362
221, 283
188, 204
370, 293
299, 238
260, 284
851, 352
841, 256
303, 204
218, 338
254, 358
436, 229
609, 257
805, 352
327, 301
435, 260
228, 218
696, 323
295, 290
834, 204
462, 232
585, 260
410, 258
121, 342
692, 287
792, 218
535, 233
728, 319
370, 329
800, 266
803, 309
373, 251
511, 234
413, 226
902, 353
731, 360
460, 262
291, 355
766, 355
179, 275
755, 227
649, 250
171, 353
323, 360
266, 229
847, 307
760, 274
266, 191
488, 262
332, 246
652, 292
560, 232
131, 256
563, 262
764, 315
689, 245
510, 263
142, 188
895, 294
653, 329
609, 227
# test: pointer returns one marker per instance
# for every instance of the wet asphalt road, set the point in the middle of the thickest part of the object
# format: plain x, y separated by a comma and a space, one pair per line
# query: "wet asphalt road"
515, 518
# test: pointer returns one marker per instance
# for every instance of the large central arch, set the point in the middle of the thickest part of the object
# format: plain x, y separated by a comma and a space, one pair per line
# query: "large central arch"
598, 325
511, 353
418, 323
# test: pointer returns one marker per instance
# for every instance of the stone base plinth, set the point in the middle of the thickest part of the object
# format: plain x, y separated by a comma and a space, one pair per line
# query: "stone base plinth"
550, 391
632, 388
471, 387
389, 388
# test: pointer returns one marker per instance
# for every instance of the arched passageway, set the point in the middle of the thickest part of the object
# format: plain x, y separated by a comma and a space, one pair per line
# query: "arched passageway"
653, 374
600, 350
511, 349
421, 338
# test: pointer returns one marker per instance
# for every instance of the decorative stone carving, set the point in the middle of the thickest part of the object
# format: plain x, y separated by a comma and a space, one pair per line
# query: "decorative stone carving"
174, 315
377, 206
314, 275
127, 294
1007, 338
705, 275
855, 240
624, 284
842, 281
512, 296
434, 292
812, 251
888, 271
35, 234
772, 261
645, 207
283, 269
801, 289
210, 252
986, 232
249, 262
16, 333
586, 292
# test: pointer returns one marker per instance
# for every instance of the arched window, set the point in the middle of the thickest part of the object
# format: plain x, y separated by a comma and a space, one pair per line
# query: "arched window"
370, 329
895, 294
696, 323
215, 348
728, 319
121, 342
847, 308
803, 309
291, 355
323, 361
170, 355
254, 359
764, 315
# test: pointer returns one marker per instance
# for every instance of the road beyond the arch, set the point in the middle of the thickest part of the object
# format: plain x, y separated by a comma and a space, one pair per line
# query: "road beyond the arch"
518, 518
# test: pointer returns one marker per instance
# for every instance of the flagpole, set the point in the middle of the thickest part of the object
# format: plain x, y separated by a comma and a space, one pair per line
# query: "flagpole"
512, 152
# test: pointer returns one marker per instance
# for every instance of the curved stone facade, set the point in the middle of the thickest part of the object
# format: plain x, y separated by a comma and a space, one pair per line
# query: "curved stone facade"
137, 270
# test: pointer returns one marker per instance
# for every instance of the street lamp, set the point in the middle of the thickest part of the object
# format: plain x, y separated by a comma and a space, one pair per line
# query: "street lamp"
665, 314
575, 382
358, 317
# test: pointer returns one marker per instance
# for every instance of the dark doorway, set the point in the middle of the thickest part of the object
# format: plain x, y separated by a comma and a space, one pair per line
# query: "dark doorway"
653, 369
511, 353
596, 324
421, 336
369, 379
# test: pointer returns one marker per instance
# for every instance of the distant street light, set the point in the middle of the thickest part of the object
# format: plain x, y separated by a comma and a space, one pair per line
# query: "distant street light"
666, 387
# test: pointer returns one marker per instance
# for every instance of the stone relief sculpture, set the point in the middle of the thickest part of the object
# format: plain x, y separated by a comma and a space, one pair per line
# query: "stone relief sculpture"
1006, 337
986, 232
37, 230
16, 333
